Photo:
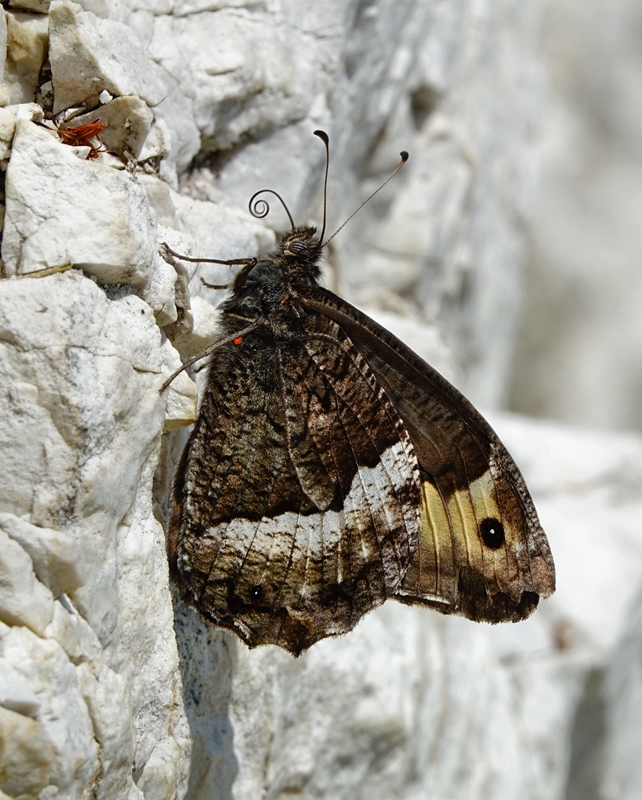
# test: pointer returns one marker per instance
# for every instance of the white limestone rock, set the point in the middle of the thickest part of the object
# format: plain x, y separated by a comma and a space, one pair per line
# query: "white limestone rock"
202, 329
158, 143
73, 633
182, 396
15, 693
63, 718
39, 6
4, 93
159, 293
26, 51
52, 553
176, 112
584, 365
8, 119
23, 600
89, 55
113, 726
621, 774
183, 8
260, 75
25, 756
128, 120
79, 435
62, 210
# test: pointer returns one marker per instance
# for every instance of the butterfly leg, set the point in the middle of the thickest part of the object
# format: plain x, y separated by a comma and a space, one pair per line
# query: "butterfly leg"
231, 262
210, 349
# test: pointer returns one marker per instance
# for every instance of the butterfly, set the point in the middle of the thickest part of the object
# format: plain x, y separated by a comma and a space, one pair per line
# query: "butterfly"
331, 468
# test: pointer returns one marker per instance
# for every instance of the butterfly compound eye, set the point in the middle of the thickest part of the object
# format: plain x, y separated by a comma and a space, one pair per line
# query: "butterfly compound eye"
298, 248
492, 533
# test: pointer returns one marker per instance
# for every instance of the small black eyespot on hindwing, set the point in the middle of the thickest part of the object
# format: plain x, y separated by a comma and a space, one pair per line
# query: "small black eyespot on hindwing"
256, 592
492, 533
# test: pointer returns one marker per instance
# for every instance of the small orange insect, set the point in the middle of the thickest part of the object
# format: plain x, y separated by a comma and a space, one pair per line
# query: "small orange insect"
82, 135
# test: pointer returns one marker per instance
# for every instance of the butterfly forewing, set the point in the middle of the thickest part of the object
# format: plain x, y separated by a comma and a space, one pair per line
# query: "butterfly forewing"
297, 503
482, 552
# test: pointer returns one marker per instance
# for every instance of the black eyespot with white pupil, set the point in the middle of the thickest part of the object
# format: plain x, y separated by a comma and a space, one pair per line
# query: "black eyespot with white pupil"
492, 533
298, 248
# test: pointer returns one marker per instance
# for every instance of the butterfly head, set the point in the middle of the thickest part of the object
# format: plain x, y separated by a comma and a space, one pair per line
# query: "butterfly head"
298, 252
263, 287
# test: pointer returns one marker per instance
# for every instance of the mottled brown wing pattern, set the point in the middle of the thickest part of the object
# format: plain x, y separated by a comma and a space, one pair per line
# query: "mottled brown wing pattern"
465, 563
297, 505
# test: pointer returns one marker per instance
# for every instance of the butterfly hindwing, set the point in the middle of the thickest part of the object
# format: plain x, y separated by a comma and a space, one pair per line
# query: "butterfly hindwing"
297, 500
482, 552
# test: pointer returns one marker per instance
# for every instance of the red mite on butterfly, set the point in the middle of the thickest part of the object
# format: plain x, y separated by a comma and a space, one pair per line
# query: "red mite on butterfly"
331, 468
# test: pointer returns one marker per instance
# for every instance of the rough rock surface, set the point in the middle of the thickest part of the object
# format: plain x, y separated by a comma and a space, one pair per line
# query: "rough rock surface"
109, 687
584, 365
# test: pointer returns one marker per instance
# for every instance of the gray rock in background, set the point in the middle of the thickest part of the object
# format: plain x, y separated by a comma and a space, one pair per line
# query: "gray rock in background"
621, 773
105, 691
580, 358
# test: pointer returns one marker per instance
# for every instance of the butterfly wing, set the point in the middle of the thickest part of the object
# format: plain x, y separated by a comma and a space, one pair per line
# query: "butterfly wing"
482, 552
297, 499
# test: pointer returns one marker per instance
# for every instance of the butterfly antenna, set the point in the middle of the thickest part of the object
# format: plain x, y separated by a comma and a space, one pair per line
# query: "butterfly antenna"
324, 138
404, 158
261, 208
